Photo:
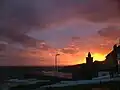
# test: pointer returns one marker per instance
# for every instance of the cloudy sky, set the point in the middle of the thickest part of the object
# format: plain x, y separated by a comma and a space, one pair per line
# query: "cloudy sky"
69, 27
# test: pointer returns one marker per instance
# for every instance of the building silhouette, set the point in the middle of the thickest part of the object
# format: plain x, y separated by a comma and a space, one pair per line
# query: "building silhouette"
89, 59
83, 71
89, 66
92, 68
113, 58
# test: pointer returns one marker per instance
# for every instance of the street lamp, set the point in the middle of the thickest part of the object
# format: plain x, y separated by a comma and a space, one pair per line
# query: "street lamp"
56, 68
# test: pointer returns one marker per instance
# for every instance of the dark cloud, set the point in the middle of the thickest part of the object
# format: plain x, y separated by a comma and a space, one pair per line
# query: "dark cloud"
2, 47
40, 12
102, 10
19, 16
69, 51
17, 36
110, 32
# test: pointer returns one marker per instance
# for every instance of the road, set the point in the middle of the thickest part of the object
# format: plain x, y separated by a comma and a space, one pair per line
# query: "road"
62, 84
100, 81
16, 82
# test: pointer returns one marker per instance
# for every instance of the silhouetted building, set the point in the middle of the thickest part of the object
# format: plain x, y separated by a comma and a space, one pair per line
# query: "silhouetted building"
112, 58
92, 69
84, 71
89, 59
89, 66
118, 59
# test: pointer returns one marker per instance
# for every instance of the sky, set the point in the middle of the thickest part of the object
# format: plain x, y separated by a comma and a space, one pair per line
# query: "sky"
34, 31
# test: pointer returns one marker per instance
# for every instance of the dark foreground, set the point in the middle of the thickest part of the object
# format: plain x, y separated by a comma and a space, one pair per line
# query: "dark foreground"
104, 86
25, 73
109, 86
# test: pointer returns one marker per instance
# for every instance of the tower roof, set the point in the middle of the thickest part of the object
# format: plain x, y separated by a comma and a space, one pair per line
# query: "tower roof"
89, 54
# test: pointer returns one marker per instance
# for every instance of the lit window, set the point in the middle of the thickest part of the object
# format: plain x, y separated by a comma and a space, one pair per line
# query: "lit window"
118, 61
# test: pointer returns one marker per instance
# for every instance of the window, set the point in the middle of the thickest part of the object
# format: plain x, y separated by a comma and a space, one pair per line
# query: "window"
104, 74
118, 62
118, 56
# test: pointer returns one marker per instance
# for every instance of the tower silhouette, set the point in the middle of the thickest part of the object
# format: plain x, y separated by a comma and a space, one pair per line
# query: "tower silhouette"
89, 66
89, 59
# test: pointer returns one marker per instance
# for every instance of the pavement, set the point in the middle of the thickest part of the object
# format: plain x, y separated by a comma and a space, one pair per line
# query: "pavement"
97, 80
16, 82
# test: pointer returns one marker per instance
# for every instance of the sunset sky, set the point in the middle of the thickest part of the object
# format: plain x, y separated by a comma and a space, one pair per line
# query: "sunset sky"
71, 28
